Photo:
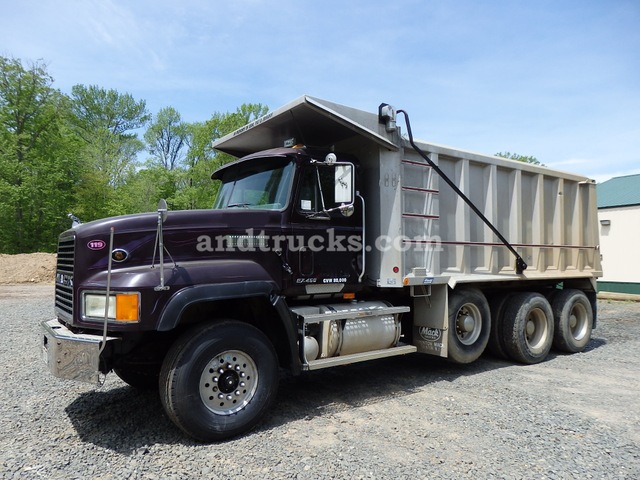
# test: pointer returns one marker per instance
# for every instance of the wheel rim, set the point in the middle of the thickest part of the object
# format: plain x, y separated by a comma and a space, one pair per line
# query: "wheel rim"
228, 382
536, 330
578, 321
468, 324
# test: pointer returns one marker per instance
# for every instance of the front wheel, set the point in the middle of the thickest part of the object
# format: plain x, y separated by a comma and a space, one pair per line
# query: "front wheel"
218, 380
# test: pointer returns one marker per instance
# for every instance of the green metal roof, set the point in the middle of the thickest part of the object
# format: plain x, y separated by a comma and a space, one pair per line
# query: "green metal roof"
619, 192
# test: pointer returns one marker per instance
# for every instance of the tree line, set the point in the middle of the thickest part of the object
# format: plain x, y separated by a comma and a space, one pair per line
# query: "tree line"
81, 153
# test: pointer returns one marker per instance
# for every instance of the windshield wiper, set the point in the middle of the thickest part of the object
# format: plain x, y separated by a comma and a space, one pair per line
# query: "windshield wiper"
238, 205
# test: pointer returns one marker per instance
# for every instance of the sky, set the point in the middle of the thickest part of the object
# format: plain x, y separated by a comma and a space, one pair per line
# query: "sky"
558, 80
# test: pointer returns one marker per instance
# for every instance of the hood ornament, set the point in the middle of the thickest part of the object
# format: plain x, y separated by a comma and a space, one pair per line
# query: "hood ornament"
75, 221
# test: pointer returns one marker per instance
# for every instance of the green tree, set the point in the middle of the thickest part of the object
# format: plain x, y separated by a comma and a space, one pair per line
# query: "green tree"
97, 108
144, 188
167, 137
38, 158
520, 158
106, 121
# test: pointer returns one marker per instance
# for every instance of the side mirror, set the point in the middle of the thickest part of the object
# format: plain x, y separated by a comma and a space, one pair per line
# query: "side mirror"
162, 209
347, 209
343, 186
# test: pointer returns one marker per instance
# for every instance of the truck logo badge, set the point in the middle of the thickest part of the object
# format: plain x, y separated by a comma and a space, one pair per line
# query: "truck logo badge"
430, 334
64, 280
96, 244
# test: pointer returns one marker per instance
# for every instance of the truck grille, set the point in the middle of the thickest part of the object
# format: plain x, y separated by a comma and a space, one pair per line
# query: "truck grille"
64, 277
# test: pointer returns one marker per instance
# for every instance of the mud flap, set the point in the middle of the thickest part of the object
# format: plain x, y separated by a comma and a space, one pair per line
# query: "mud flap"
430, 320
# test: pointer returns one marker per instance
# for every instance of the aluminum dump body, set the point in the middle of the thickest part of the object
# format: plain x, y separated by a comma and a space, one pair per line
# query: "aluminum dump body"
549, 217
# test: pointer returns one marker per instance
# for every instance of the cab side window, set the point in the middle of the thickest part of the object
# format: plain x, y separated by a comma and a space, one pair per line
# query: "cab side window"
309, 200
317, 191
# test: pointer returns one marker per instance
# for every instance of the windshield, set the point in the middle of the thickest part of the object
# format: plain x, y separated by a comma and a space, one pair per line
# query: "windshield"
261, 183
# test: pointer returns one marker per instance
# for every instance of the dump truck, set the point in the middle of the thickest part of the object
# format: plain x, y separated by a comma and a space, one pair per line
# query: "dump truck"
335, 238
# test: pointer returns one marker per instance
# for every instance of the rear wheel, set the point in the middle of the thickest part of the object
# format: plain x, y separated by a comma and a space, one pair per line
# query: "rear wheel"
469, 325
496, 341
528, 328
573, 319
217, 381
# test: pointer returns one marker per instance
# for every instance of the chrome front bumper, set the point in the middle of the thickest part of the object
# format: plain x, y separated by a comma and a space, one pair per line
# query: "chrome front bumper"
71, 355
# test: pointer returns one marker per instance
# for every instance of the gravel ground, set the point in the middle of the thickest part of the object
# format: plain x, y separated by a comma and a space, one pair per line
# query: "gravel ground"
573, 416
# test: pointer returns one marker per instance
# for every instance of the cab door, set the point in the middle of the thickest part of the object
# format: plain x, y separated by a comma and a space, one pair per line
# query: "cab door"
324, 247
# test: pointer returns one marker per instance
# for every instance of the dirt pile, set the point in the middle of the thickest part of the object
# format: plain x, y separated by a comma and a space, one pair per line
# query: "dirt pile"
27, 268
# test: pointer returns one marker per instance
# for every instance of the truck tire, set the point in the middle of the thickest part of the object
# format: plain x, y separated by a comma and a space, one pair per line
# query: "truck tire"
573, 321
218, 380
142, 377
469, 325
496, 342
528, 328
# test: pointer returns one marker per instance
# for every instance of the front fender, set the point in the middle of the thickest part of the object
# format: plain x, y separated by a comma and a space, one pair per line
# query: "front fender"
172, 312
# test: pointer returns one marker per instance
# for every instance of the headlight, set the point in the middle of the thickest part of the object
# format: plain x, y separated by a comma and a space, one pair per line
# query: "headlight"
123, 307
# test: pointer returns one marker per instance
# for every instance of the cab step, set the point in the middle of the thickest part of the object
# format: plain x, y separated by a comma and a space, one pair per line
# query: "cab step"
359, 357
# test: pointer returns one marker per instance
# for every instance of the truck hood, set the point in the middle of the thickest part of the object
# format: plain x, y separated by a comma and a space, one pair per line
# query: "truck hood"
190, 235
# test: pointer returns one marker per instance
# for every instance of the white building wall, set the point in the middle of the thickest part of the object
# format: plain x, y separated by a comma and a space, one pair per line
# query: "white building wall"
619, 244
